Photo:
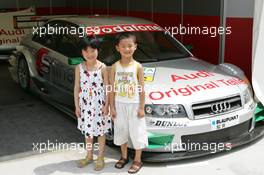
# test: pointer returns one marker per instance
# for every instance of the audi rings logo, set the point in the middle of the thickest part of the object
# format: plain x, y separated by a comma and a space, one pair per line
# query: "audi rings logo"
220, 107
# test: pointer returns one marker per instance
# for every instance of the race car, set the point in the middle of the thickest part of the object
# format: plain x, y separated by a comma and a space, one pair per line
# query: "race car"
9, 35
193, 108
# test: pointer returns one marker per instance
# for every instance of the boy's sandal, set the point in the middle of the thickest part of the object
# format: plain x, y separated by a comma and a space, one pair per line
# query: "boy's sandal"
135, 167
83, 162
121, 163
99, 164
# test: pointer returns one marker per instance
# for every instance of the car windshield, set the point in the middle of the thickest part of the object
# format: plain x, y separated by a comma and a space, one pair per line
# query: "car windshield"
151, 47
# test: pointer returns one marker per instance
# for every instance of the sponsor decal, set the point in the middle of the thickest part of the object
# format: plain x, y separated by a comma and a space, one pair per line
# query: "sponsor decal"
189, 90
110, 29
166, 123
224, 122
10, 36
4, 32
149, 73
195, 75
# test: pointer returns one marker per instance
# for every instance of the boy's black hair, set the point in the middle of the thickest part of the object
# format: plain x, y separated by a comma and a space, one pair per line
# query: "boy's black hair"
125, 35
89, 42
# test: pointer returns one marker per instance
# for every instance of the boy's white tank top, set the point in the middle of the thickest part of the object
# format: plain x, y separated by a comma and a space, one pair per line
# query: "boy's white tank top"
126, 83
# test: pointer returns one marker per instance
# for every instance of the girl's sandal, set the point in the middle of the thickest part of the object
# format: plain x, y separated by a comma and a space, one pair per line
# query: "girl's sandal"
83, 162
100, 163
135, 167
121, 163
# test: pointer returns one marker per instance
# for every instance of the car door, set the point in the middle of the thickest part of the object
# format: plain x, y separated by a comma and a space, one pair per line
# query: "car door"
43, 49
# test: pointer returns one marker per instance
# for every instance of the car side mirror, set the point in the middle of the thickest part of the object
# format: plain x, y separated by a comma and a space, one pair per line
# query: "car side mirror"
75, 60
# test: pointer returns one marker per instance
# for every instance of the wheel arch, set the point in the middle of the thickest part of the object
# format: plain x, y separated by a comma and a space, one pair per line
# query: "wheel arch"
23, 52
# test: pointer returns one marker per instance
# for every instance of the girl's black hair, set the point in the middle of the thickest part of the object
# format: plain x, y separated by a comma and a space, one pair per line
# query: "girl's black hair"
89, 42
125, 35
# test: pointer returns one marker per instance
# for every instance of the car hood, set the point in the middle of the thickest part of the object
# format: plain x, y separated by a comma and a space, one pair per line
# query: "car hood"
188, 80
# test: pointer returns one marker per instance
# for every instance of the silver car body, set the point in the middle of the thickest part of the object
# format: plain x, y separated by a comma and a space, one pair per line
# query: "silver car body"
195, 101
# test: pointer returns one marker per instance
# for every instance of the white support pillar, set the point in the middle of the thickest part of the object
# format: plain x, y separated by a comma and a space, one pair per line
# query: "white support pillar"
258, 51
222, 37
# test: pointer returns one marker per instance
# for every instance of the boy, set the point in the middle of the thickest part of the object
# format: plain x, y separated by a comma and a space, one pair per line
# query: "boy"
127, 102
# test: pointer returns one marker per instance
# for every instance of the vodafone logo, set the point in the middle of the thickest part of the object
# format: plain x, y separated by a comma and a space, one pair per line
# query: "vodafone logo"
101, 30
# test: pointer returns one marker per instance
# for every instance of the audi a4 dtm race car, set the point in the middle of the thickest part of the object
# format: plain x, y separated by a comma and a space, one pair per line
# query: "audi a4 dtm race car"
193, 108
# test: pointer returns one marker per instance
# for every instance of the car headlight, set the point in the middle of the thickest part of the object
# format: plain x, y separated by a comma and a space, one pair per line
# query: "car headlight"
165, 111
247, 95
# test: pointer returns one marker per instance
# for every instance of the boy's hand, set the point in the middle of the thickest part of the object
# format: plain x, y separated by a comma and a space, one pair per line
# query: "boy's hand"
141, 113
105, 111
78, 112
113, 114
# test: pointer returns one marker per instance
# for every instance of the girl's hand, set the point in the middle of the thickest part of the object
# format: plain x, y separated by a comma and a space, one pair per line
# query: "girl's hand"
105, 111
141, 113
78, 112
113, 114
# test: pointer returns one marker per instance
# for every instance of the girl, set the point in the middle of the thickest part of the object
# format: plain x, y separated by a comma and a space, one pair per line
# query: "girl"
91, 101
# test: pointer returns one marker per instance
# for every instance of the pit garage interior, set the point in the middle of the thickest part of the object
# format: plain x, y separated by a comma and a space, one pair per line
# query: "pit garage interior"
26, 119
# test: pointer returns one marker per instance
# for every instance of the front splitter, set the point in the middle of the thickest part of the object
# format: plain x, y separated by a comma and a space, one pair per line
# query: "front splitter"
252, 136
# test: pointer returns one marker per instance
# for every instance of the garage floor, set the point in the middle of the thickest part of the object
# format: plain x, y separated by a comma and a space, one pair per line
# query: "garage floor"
26, 120
245, 161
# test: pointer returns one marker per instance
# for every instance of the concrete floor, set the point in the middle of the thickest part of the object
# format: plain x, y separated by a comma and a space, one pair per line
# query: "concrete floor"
245, 161
25, 119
